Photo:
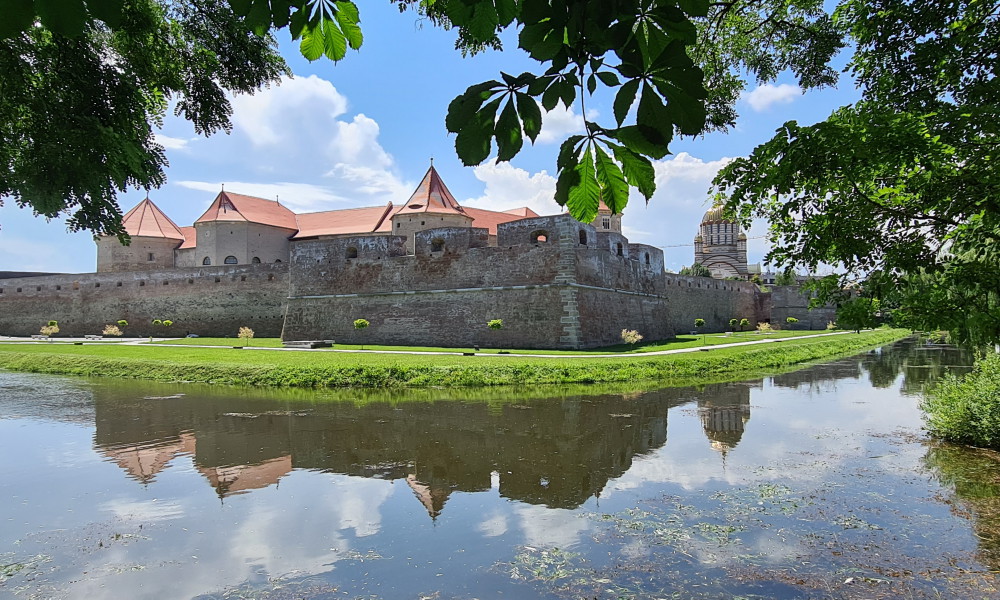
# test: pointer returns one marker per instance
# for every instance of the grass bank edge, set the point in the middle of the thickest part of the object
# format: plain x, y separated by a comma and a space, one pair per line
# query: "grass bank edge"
221, 366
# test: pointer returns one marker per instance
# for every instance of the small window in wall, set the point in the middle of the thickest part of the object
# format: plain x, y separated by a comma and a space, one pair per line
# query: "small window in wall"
606, 222
141, 284
352, 252
421, 222
150, 257
619, 250
539, 237
231, 260
437, 245
96, 285
206, 261
255, 261
647, 258
583, 237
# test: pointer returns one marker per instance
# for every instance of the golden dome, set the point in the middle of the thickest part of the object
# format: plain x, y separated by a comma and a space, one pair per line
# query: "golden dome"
715, 215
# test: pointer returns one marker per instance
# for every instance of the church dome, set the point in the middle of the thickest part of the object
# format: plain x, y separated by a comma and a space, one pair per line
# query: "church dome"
742, 236
715, 215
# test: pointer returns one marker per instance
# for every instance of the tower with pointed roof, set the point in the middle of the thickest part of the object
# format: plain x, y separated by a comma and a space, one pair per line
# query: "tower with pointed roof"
606, 221
721, 246
154, 238
431, 206
238, 230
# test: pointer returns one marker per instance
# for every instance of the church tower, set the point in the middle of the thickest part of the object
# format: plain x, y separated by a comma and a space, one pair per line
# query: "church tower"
721, 246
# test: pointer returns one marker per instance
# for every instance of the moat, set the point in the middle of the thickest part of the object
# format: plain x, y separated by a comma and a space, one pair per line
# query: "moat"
817, 483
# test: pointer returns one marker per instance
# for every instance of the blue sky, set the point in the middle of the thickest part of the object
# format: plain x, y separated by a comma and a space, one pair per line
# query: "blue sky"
362, 132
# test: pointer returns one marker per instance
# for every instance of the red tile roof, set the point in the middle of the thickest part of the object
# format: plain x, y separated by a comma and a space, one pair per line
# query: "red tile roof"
146, 219
523, 212
490, 219
431, 196
190, 238
228, 206
351, 220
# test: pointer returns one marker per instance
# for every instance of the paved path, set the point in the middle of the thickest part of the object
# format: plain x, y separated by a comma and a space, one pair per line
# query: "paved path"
143, 341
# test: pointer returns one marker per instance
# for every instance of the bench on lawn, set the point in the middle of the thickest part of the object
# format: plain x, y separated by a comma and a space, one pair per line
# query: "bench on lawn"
93, 337
39, 337
308, 344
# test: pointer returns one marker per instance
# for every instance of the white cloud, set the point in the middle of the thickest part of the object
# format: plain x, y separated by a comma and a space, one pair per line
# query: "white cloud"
171, 143
279, 113
510, 187
768, 95
297, 141
296, 196
561, 122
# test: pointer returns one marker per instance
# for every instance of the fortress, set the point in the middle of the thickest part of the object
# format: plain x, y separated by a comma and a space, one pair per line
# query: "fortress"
429, 272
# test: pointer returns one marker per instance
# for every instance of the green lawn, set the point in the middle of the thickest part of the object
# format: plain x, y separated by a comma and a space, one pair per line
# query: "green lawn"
349, 369
684, 341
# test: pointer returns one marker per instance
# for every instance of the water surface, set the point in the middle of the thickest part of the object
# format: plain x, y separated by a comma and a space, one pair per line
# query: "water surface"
817, 483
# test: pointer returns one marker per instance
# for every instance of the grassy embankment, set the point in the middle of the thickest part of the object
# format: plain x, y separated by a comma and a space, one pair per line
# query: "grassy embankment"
335, 369
684, 341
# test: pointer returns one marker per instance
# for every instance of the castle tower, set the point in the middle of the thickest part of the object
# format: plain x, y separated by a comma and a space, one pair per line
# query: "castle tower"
431, 206
238, 230
606, 221
721, 246
154, 238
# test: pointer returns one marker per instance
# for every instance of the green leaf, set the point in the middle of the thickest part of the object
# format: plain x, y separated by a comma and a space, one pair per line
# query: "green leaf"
624, 99
614, 190
334, 41
280, 12
18, 16
473, 142
463, 108
531, 115
541, 40
506, 11
259, 17
298, 23
508, 133
591, 84
585, 196
539, 85
643, 139
694, 8
348, 19
568, 152
65, 17
638, 170
241, 7
109, 11
312, 46
568, 179
652, 112
608, 78
485, 21
551, 96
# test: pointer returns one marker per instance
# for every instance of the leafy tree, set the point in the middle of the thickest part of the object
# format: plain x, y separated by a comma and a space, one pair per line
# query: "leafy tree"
786, 277
744, 323
360, 325
631, 336
733, 323
245, 334
63, 103
495, 324
791, 321
699, 323
902, 188
696, 270
858, 313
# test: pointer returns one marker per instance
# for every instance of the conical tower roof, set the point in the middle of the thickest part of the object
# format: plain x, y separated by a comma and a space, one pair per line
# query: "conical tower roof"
147, 220
228, 206
432, 196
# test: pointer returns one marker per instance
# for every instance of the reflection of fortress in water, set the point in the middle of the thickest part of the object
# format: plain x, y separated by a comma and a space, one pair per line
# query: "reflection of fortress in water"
556, 452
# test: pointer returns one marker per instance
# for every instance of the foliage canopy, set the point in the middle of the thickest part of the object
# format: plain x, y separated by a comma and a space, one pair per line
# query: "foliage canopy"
901, 188
673, 67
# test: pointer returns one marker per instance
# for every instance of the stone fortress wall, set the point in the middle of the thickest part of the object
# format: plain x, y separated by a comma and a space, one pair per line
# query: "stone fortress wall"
555, 282
210, 301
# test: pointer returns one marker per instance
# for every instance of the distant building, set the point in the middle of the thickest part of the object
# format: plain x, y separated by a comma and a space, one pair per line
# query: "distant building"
721, 246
